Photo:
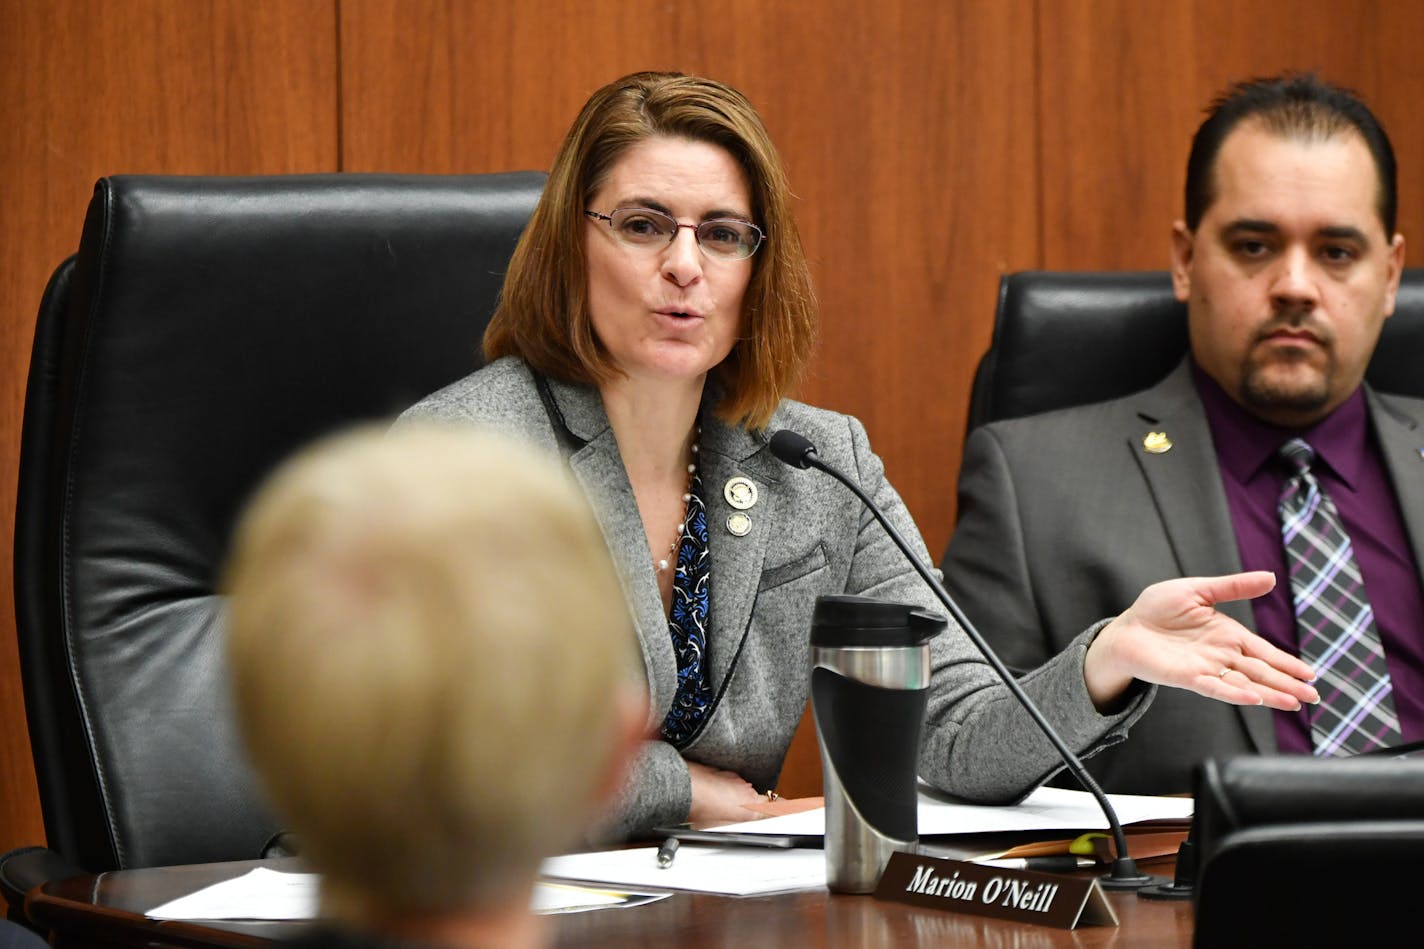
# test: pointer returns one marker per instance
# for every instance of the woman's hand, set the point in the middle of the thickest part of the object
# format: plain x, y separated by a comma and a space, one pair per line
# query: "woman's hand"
720, 797
1173, 635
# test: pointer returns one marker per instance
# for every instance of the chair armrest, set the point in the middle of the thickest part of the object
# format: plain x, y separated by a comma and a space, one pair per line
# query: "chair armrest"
25, 868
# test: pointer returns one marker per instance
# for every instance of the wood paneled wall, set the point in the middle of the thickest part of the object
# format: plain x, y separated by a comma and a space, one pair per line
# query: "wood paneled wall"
1122, 87
932, 146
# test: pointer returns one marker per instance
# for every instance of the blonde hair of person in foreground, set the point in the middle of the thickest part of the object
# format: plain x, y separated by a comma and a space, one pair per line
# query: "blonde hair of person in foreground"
434, 672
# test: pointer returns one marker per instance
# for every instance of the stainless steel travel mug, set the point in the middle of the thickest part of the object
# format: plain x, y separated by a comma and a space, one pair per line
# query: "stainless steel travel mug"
870, 667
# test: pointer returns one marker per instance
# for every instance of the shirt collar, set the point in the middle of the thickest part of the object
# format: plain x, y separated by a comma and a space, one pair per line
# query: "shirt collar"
581, 413
1245, 443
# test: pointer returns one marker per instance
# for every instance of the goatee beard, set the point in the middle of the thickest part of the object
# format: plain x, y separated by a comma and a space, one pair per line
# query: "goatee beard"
1269, 397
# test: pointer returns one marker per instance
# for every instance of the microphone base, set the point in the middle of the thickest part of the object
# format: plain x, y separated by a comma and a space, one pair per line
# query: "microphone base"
1167, 891
1182, 886
1126, 876
1110, 882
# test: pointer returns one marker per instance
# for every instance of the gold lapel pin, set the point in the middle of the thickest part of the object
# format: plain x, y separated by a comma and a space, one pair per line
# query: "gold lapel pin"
738, 524
741, 493
1156, 442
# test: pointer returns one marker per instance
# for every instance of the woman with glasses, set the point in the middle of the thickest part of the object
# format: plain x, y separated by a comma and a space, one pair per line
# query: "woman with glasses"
656, 313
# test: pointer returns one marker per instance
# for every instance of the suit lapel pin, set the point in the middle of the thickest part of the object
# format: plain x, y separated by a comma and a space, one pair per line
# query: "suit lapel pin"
738, 524
1156, 443
741, 493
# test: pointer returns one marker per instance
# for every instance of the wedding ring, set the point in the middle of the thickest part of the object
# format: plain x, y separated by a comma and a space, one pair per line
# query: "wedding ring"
1223, 672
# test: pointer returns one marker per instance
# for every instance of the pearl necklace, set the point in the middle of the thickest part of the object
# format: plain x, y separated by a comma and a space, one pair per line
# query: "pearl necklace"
661, 565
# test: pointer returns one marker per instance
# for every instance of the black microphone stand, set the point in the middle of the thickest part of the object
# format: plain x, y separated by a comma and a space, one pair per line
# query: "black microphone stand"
797, 451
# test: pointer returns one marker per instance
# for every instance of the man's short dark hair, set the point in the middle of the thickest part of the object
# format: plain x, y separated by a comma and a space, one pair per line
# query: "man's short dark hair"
1297, 106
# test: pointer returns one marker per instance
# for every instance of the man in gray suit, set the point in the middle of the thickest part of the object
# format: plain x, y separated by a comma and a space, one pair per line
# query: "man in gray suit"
1288, 261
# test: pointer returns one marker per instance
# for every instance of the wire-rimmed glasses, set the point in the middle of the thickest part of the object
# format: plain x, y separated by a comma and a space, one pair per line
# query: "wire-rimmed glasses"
720, 239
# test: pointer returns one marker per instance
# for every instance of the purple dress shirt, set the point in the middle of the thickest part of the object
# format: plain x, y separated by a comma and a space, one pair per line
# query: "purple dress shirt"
1354, 476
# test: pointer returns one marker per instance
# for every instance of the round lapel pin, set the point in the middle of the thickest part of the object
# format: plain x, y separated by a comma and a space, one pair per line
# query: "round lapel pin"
741, 493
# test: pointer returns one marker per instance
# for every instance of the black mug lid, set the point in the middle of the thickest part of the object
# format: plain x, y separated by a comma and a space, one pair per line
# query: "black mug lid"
844, 619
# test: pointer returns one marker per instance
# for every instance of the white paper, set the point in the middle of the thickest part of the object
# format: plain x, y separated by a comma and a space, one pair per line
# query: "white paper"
564, 898
732, 871
1044, 809
274, 895
260, 894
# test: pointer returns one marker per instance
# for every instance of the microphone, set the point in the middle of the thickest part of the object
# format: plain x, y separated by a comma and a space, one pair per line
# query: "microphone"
797, 451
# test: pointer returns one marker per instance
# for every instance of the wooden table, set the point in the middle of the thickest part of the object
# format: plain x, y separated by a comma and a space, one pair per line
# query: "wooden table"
107, 910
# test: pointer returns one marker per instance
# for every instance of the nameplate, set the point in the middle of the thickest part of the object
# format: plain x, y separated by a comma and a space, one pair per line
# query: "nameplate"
1025, 896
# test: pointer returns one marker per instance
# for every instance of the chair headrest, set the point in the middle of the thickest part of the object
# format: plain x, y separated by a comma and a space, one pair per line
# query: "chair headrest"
1065, 338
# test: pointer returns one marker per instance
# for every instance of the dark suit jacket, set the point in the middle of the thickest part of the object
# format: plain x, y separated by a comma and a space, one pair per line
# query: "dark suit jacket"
809, 537
1064, 518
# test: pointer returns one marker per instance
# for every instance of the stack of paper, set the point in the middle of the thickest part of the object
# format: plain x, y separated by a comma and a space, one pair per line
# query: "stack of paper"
734, 871
1046, 809
945, 825
274, 895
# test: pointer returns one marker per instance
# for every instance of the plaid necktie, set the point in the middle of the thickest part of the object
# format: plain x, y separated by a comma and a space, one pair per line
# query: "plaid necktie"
1334, 621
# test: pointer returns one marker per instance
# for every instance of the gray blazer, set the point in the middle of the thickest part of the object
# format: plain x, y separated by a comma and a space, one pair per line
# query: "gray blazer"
1064, 518
809, 536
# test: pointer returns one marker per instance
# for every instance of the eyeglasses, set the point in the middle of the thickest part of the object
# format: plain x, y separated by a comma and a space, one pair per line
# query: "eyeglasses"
724, 239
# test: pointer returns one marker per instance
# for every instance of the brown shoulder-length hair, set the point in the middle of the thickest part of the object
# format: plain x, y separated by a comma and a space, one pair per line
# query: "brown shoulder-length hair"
542, 315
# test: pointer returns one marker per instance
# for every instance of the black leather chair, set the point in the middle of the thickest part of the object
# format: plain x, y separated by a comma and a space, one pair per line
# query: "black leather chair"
1064, 338
206, 328
1296, 850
